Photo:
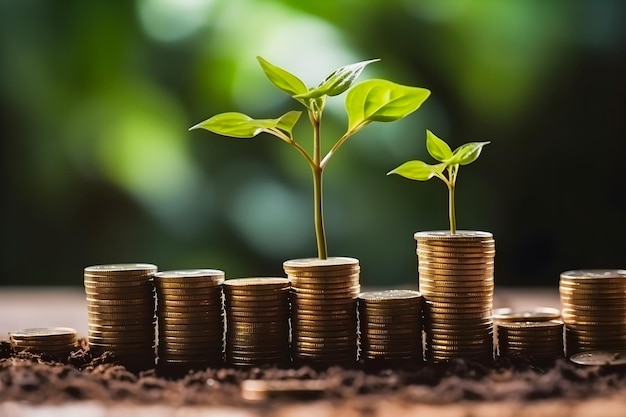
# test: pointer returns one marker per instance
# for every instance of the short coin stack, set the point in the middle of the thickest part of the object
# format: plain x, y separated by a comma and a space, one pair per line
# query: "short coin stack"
53, 341
191, 317
594, 309
456, 281
120, 307
323, 309
537, 340
390, 325
257, 325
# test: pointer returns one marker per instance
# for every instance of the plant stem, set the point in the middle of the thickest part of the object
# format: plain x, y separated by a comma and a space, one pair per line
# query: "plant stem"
452, 213
318, 170
320, 235
453, 170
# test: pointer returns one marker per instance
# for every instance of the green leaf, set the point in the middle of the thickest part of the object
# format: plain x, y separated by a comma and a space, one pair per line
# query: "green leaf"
287, 121
466, 154
382, 101
418, 170
437, 148
337, 81
239, 125
282, 79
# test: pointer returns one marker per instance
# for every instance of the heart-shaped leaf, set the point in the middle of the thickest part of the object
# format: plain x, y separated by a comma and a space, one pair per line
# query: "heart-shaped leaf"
338, 81
382, 101
239, 125
466, 154
418, 170
282, 79
437, 148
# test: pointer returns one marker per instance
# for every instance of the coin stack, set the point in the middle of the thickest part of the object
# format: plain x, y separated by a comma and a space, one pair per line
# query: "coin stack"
257, 325
456, 281
594, 309
53, 341
323, 310
537, 340
390, 326
191, 318
120, 306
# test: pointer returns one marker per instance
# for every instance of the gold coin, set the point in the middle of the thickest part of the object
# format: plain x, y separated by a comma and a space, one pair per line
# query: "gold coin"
458, 254
211, 299
121, 291
264, 300
600, 358
135, 285
265, 282
213, 275
390, 296
43, 333
586, 274
122, 269
332, 263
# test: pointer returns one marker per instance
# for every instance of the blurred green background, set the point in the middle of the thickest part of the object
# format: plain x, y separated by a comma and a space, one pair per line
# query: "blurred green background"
98, 166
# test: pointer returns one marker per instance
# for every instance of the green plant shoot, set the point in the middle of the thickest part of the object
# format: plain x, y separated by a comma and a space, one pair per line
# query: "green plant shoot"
374, 100
447, 169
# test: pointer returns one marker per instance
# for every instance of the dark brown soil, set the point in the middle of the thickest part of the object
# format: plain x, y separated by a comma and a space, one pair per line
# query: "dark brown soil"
39, 380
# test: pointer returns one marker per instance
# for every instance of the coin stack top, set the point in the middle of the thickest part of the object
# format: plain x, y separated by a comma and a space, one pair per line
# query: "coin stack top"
257, 325
506, 314
53, 341
121, 307
594, 309
390, 326
323, 309
456, 281
537, 340
190, 318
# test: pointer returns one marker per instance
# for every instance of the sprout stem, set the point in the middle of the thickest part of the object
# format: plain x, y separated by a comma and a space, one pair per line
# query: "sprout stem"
318, 170
452, 212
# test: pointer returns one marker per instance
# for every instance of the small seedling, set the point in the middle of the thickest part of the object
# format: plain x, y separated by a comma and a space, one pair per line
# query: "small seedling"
447, 169
373, 100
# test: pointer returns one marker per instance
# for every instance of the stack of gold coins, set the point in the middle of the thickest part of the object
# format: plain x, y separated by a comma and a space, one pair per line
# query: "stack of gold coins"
53, 341
191, 318
120, 307
323, 310
257, 324
537, 340
390, 325
456, 281
594, 309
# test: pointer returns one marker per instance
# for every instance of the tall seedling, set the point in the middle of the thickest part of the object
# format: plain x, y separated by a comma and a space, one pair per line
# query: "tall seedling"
374, 100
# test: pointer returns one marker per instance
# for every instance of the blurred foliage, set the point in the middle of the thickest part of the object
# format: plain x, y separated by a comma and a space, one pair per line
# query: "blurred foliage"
98, 166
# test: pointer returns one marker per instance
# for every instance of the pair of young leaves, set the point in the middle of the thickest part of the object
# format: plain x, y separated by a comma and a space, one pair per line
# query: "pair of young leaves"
369, 101
440, 151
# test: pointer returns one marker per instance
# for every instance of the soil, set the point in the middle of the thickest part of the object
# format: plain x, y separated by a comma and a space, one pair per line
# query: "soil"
33, 379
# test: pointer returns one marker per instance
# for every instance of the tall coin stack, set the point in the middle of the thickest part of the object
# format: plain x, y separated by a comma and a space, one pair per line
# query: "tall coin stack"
54, 341
456, 281
537, 340
191, 318
323, 310
594, 309
390, 326
257, 325
120, 307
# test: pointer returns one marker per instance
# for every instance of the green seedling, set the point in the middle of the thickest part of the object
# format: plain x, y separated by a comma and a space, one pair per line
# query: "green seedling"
447, 169
374, 100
